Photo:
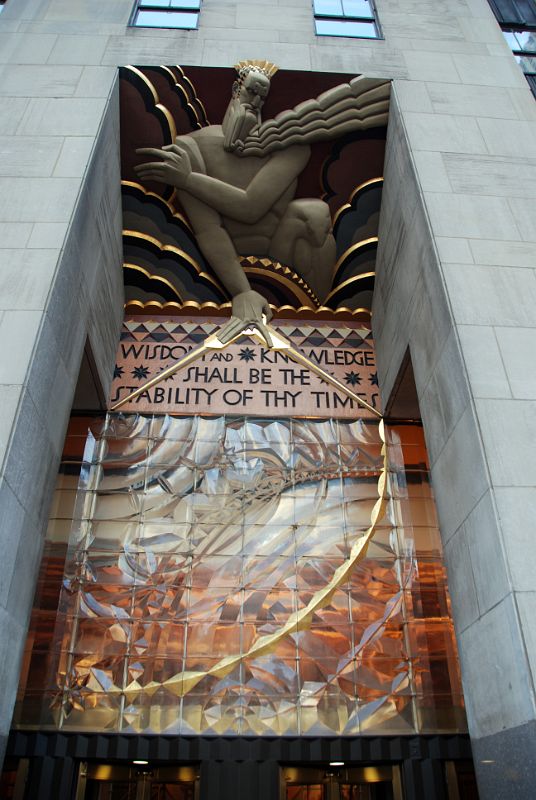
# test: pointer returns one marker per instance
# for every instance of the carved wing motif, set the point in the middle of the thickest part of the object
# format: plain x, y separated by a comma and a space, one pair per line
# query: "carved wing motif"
362, 103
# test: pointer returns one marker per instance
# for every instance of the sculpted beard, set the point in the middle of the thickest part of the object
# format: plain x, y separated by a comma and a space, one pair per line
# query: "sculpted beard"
240, 119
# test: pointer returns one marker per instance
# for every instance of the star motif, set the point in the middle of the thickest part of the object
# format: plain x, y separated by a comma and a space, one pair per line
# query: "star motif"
247, 354
352, 378
118, 372
140, 372
169, 378
373, 379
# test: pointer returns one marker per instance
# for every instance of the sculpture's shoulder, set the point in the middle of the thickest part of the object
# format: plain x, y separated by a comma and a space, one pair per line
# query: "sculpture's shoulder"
296, 155
208, 132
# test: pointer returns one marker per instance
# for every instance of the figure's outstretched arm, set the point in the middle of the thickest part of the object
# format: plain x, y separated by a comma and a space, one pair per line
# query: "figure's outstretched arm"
244, 205
217, 247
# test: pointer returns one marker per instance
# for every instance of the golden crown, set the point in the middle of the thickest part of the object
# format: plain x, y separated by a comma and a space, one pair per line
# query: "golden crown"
266, 67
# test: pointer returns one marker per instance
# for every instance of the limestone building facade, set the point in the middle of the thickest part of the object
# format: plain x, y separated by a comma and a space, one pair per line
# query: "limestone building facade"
453, 317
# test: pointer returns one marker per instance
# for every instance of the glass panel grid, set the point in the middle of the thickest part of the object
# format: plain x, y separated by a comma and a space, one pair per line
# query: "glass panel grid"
162, 610
350, 18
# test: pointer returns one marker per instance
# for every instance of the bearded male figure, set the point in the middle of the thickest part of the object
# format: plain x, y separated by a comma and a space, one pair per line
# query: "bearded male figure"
237, 182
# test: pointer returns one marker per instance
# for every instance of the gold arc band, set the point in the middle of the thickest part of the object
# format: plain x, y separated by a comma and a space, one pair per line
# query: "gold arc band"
162, 108
137, 268
353, 193
170, 248
174, 212
347, 282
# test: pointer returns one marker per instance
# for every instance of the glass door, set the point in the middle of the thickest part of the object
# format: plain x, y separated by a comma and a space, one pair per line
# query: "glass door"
341, 782
137, 782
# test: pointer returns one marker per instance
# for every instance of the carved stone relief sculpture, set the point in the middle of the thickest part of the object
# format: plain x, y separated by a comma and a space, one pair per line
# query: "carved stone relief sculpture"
237, 183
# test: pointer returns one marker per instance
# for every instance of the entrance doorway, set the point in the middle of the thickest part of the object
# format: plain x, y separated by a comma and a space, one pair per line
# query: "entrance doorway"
341, 783
137, 782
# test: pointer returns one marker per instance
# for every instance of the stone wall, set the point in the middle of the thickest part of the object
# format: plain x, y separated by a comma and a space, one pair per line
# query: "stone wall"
456, 285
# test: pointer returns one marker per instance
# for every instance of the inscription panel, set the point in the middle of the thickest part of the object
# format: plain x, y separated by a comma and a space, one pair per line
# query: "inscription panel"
245, 378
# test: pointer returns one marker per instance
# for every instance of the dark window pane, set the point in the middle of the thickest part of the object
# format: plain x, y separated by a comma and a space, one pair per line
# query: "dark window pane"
514, 11
532, 83
358, 30
527, 11
527, 64
166, 19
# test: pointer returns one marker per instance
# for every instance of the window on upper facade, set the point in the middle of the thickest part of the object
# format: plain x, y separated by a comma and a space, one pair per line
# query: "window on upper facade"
183, 14
2, 4
354, 18
517, 19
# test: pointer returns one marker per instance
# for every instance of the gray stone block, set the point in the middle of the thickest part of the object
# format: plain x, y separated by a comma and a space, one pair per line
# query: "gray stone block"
509, 137
431, 171
446, 394
15, 235
518, 348
11, 649
77, 116
11, 532
37, 199
79, 49
488, 70
412, 96
496, 678
508, 433
25, 278
471, 216
516, 507
12, 110
18, 333
50, 385
73, 159
526, 603
9, 401
524, 212
443, 134
24, 80
456, 251
474, 101
460, 474
461, 581
503, 254
488, 557
431, 67
48, 235
30, 461
140, 49
503, 177
96, 81
25, 48
484, 365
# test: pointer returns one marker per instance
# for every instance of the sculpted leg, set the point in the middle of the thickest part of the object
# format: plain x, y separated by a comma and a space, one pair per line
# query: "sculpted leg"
304, 241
